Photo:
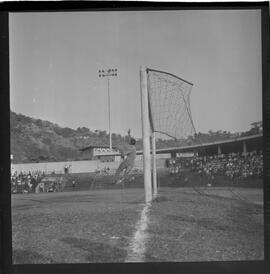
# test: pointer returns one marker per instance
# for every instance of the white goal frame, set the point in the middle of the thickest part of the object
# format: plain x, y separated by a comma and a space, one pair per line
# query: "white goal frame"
149, 163
149, 127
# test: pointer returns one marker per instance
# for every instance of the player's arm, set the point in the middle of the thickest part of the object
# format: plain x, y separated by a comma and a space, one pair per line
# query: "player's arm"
129, 136
125, 149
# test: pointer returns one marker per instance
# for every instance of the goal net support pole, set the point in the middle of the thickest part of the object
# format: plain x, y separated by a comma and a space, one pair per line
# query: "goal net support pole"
146, 136
154, 164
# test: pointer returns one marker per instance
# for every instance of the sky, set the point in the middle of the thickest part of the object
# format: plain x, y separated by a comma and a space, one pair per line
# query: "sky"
55, 59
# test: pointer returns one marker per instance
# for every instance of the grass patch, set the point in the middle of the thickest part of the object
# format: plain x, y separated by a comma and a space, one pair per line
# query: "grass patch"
98, 226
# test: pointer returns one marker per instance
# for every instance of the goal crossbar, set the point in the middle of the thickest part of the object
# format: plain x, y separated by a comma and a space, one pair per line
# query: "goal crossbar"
164, 72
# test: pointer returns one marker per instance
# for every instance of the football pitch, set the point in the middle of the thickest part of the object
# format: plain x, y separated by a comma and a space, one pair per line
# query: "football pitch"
114, 225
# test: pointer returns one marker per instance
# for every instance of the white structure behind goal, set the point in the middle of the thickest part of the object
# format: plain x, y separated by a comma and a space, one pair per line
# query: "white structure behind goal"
165, 108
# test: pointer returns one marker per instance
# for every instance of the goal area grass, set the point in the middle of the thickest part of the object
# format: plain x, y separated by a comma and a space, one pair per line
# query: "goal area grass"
184, 223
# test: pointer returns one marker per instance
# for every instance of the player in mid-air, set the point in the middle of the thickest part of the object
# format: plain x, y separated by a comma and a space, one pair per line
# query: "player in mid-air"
128, 152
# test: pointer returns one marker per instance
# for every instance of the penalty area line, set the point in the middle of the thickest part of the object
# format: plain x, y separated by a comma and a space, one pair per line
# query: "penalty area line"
137, 246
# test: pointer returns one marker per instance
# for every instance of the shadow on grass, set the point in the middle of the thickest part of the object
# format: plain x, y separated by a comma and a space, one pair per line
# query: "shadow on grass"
212, 225
207, 223
97, 252
132, 202
24, 256
160, 199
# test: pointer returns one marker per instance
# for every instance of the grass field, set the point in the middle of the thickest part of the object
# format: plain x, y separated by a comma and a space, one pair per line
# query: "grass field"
114, 225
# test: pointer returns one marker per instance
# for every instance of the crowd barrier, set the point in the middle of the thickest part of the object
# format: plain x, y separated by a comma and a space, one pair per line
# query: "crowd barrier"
74, 166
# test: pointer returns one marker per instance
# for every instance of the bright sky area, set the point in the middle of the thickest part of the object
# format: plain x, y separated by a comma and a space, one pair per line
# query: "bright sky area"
55, 58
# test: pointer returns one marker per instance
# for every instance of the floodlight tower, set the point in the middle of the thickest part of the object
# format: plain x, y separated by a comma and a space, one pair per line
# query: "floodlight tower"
108, 73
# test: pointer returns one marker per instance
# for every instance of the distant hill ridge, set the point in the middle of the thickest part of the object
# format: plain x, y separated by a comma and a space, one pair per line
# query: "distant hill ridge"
36, 140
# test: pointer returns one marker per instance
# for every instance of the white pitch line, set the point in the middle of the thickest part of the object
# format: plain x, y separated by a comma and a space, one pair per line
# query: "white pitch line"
138, 244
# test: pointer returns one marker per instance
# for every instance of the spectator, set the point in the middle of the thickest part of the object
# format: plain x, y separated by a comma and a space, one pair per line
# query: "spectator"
73, 184
66, 169
233, 166
24, 182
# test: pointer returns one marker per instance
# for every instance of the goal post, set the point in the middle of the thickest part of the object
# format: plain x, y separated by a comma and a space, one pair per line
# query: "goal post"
154, 164
146, 136
165, 109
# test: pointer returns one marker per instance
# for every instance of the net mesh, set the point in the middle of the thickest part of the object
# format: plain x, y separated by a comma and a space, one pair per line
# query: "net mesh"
169, 104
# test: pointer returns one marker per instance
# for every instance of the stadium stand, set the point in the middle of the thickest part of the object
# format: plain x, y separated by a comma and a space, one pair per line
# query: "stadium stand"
233, 166
24, 182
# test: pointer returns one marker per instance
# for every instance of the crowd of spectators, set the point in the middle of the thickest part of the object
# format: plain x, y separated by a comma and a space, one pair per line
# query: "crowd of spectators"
23, 182
103, 171
234, 166
31, 181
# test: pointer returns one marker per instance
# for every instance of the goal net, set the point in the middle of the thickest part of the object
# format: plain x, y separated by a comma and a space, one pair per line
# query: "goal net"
165, 101
169, 104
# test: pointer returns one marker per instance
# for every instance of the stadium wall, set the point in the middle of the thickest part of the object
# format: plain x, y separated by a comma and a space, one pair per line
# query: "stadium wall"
75, 166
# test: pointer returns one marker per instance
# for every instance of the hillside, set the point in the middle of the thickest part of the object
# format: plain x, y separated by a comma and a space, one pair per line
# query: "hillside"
35, 140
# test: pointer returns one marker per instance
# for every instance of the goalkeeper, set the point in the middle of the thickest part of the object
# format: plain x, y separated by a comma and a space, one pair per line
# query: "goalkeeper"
128, 152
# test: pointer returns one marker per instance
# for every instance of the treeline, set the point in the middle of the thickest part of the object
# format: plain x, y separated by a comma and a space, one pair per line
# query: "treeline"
36, 140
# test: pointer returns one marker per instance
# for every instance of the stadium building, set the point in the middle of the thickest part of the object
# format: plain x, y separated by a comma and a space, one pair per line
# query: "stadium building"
240, 145
102, 153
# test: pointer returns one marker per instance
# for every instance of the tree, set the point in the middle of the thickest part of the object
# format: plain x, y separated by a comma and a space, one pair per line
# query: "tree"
256, 128
65, 132
83, 130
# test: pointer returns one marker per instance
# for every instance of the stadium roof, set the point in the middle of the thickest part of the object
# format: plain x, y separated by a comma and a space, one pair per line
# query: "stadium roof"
209, 144
191, 147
